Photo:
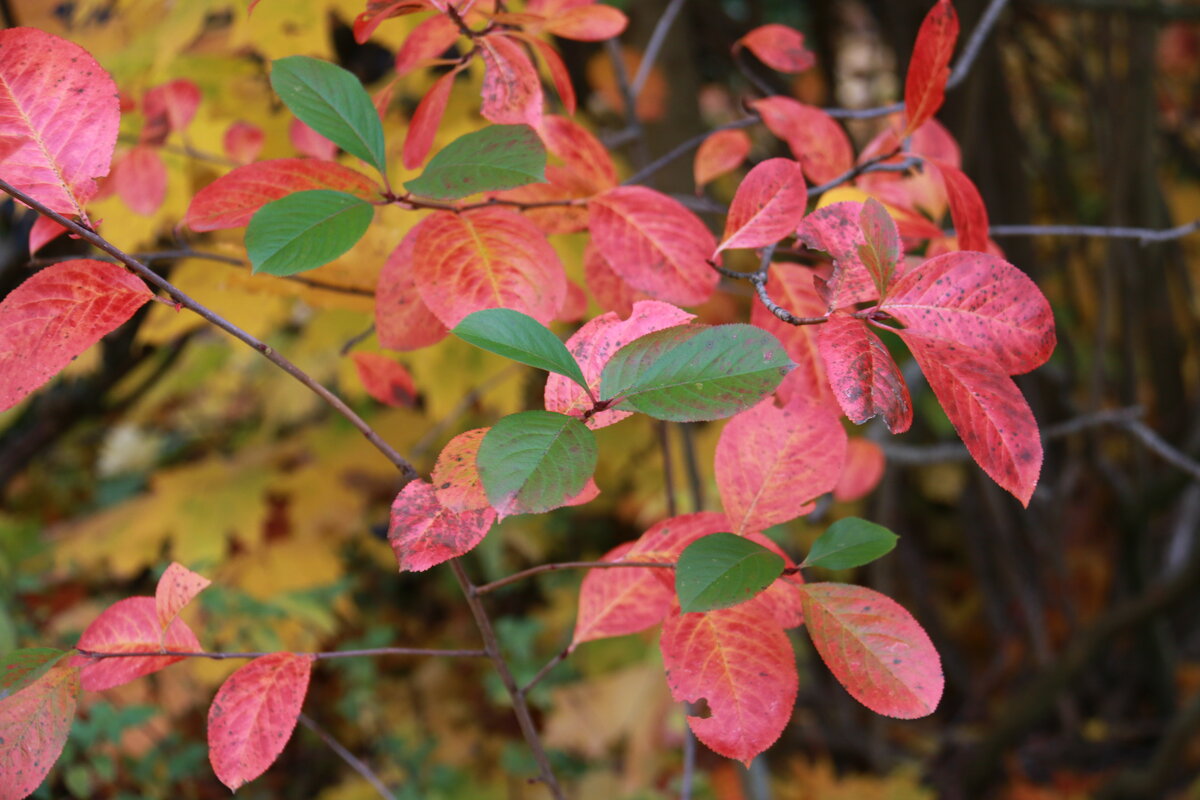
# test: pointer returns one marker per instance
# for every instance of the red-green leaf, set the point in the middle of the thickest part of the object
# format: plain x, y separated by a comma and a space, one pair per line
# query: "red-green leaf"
929, 69
816, 139
865, 379
428, 40
535, 461
231, 200
966, 206
34, 724
176, 588
131, 625
722, 152
385, 380
779, 47
424, 533
741, 663
768, 205
57, 314
20, 668
654, 244
512, 91
874, 648
58, 119
253, 715
140, 179
402, 320
772, 462
487, 258
881, 251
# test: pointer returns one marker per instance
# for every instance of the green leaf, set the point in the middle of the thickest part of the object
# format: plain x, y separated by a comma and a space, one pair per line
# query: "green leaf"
20, 668
305, 230
522, 338
691, 373
722, 570
333, 103
535, 461
497, 157
850, 542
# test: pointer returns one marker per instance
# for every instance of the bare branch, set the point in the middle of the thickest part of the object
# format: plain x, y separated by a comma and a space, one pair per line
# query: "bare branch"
1143, 235
659, 35
561, 565
975, 43
324, 655
355, 763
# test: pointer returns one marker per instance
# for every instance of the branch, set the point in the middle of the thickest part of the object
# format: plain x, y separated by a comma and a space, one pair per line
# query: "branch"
1143, 235
684, 148
184, 301
975, 43
661, 28
355, 763
561, 565
558, 658
100, 655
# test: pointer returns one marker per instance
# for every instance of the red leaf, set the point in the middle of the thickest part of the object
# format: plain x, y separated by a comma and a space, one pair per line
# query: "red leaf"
424, 533
835, 229
140, 179
925, 85
987, 410
486, 258
558, 70
779, 47
131, 625
594, 344
380, 10
402, 320
881, 251
587, 23
772, 462
231, 200
243, 141
425, 121
169, 108
253, 715
768, 205
456, 474
966, 207
791, 286
863, 470
782, 597
43, 231
816, 139
865, 379
59, 115
176, 588
581, 153
874, 648
722, 152
310, 143
385, 380
428, 40
34, 724
654, 243
742, 664
610, 289
512, 92
57, 314
914, 190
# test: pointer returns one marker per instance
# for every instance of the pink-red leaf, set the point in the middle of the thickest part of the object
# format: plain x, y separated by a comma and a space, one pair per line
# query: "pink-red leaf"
428, 40
874, 648
59, 115
512, 92
131, 625
310, 143
253, 715
402, 320
140, 179
865, 379
231, 200
987, 410
243, 141
791, 286
424, 533
456, 474
882, 250
772, 462
966, 206
385, 380
425, 121
743, 666
380, 10
558, 71
929, 69
588, 23
43, 231
654, 243
611, 291
487, 258
581, 153
594, 344
836, 230
169, 108
863, 470
779, 47
767, 206
57, 314
816, 139
34, 724
722, 152
176, 588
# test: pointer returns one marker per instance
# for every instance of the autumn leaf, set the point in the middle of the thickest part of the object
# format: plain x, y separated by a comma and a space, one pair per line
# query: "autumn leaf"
428, 40
242, 142
816, 139
177, 587
140, 179
131, 625
836, 229
791, 286
34, 724
425, 121
929, 69
253, 715
881, 250
385, 380
865, 378
767, 206
587, 23
57, 314
966, 206
402, 320
779, 47
379, 10
535, 461
424, 533
168, 108
723, 570
722, 152
863, 470
512, 92
456, 474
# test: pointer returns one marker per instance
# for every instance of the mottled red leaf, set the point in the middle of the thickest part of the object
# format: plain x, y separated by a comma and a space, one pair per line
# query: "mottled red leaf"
767, 206
587, 23
816, 139
58, 119
779, 47
428, 40
425, 121
722, 152
743, 666
865, 379
385, 380
594, 344
424, 533
168, 108
253, 715
456, 474
486, 258
791, 286
310, 143
611, 291
881, 251
34, 724
243, 141
231, 200
987, 410
58, 313
131, 625
654, 243
863, 470
835, 229
512, 92
966, 206
874, 648
929, 69
139, 178
772, 462
402, 320
176, 588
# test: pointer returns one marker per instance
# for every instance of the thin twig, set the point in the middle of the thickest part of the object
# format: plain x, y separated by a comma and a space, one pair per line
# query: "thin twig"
184, 301
558, 658
875, 164
561, 565
354, 761
1143, 235
683, 148
318, 656
657, 37
975, 43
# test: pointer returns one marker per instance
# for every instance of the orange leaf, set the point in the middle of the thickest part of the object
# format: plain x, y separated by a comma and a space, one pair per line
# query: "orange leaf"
385, 380
588, 23
176, 588
779, 47
723, 151
456, 474
131, 625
